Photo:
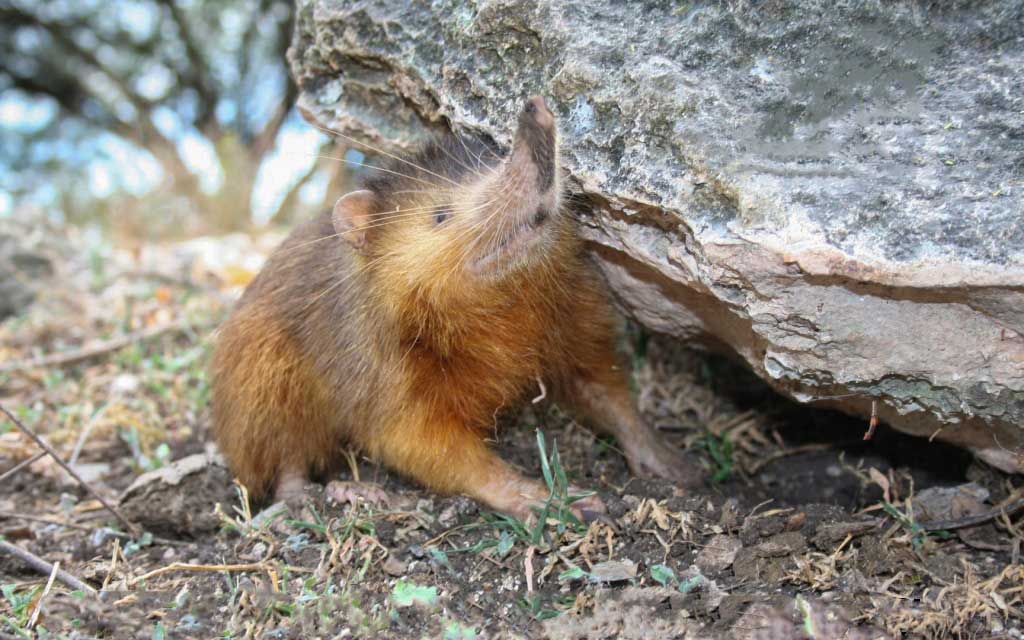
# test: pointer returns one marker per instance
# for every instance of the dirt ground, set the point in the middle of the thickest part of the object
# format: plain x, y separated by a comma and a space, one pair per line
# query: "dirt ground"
804, 530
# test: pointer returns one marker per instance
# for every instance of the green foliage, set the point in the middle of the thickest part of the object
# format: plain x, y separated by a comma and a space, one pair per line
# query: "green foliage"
20, 603
318, 526
574, 573
638, 338
534, 605
720, 449
918, 534
135, 545
505, 544
559, 501
690, 584
161, 455
664, 575
407, 594
440, 558
455, 631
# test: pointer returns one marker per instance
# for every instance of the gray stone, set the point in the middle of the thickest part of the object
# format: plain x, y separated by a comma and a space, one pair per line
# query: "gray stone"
830, 190
181, 499
22, 272
718, 554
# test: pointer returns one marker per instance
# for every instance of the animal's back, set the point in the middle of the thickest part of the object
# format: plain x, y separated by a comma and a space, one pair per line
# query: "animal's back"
275, 400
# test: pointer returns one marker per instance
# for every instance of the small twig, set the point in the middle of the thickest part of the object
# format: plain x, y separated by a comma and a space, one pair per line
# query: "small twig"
84, 353
353, 465
53, 454
113, 564
182, 566
43, 566
543, 391
53, 521
444, 534
970, 521
528, 565
82, 527
42, 597
21, 465
873, 422
758, 506
86, 431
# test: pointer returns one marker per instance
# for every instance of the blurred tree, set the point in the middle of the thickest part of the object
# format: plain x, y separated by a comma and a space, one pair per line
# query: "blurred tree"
170, 105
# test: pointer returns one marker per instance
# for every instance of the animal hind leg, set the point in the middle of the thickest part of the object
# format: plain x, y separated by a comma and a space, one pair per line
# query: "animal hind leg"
450, 457
602, 397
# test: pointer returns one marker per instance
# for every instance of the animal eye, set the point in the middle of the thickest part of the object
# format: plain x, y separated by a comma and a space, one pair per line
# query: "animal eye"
442, 215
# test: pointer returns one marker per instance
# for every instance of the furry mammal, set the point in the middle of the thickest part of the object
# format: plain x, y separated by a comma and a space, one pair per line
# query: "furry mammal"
404, 320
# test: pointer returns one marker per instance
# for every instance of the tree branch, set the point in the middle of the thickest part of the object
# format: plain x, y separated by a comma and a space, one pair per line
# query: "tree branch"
288, 202
199, 73
265, 139
60, 35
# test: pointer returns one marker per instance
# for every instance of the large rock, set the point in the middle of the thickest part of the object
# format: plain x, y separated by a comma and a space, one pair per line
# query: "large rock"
833, 191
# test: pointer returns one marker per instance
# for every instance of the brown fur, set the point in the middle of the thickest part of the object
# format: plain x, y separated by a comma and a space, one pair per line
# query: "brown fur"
398, 349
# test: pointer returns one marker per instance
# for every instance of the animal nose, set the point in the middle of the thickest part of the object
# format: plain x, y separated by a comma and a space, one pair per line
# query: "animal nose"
537, 108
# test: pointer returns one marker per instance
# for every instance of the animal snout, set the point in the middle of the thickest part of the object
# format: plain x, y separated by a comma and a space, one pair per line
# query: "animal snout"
538, 109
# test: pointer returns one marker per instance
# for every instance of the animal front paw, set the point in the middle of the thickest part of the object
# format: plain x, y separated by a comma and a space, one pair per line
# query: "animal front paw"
523, 498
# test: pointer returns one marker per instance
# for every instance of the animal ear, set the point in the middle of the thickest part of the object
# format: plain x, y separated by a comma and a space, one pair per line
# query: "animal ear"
351, 217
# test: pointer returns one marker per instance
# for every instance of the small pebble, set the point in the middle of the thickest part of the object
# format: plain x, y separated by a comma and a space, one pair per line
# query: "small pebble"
394, 567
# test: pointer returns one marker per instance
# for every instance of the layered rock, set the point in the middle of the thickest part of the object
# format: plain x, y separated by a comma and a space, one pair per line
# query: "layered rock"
832, 191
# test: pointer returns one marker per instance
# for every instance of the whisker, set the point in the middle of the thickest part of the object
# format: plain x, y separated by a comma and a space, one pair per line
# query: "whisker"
471, 247
348, 277
389, 217
444, 149
400, 218
361, 164
385, 153
415, 191
479, 156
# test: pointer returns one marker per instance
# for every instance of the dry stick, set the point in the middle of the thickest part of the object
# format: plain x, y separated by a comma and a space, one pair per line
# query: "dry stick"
181, 566
113, 564
84, 353
970, 521
873, 422
42, 597
528, 565
543, 391
81, 527
43, 566
21, 465
53, 454
86, 431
